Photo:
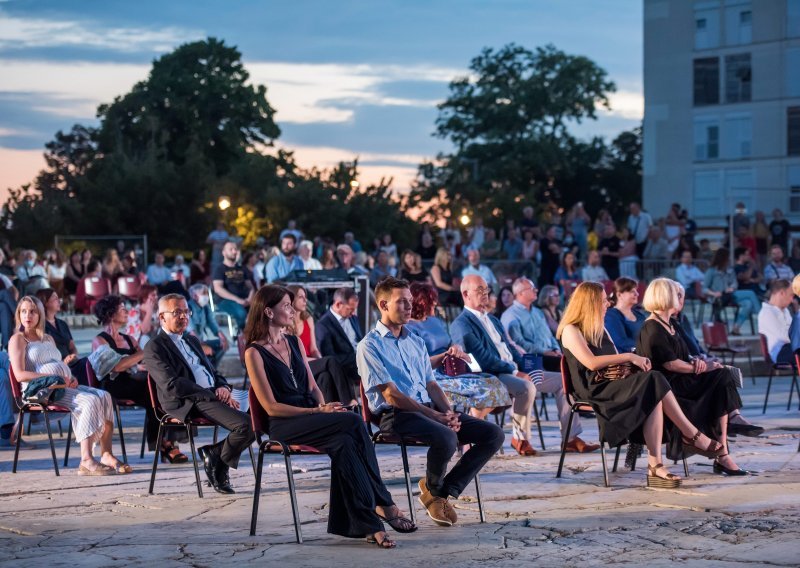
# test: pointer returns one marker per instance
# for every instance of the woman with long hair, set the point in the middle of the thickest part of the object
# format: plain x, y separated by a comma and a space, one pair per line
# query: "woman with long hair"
112, 266
442, 276
567, 274
503, 301
549, 301
706, 392
34, 355
623, 318
411, 267
631, 408
298, 414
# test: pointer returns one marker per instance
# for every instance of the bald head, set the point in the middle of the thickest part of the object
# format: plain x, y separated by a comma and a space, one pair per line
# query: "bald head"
474, 291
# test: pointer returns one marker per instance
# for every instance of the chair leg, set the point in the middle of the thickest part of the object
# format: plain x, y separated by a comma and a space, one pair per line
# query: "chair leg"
194, 461
30, 420
159, 437
752, 369
685, 467
605, 465
257, 491
216, 431
20, 425
144, 438
252, 458
616, 458
293, 496
564, 442
407, 474
52, 444
60, 430
480, 499
794, 386
69, 441
121, 434
538, 424
769, 385
543, 410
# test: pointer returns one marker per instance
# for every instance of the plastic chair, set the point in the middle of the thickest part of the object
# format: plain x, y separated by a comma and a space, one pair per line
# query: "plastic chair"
30, 409
260, 420
715, 336
128, 287
775, 369
124, 402
386, 438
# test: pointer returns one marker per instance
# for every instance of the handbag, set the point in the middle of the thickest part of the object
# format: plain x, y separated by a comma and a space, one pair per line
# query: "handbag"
454, 366
44, 391
615, 372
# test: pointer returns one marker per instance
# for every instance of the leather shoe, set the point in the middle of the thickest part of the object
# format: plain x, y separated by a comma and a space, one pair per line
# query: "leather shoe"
439, 509
211, 461
223, 479
750, 430
523, 447
576, 445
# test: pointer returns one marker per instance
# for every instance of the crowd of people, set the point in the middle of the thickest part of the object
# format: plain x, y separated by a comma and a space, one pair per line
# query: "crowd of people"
425, 373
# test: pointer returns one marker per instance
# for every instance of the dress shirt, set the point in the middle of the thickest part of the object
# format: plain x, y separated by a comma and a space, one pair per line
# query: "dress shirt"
774, 323
158, 275
774, 271
594, 274
483, 271
201, 375
279, 266
688, 275
528, 329
347, 326
383, 358
497, 339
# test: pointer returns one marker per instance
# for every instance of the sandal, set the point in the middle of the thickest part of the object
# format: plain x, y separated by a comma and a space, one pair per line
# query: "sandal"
399, 523
669, 481
122, 468
714, 449
384, 542
172, 454
101, 469
720, 469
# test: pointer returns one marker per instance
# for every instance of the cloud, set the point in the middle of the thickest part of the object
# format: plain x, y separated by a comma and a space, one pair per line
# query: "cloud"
626, 104
26, 33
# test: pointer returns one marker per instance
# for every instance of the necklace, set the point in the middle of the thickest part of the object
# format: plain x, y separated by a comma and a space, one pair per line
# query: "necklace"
665, 324
286, 361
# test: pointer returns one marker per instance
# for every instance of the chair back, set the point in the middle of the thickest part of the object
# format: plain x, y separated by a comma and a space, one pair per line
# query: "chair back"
570, 287
240, 346
566, 380
454, 366
91, 377
765, 348
641, 287
366, 413
608, 286
151, 388
698, 291
715, 335
97, 287
258, 416
128, 286
16, 388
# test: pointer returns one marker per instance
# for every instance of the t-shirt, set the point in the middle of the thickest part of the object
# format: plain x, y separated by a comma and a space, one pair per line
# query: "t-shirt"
60, 334
780, 232
234, 279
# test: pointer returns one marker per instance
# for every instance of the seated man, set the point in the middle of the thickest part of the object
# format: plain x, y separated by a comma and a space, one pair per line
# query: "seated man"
475, 267
202, 324
188, 385
286, 260
400, 387
593, 272
338, 332
688, 274
774, 321
233, 284
482, 336
158, 273
31, 275
776, 268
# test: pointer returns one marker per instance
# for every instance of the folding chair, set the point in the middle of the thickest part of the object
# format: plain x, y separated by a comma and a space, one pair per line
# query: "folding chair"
95, 288
30, 409
128, 287
379, 437
260, 420
715, 336
222, 315
240, 347
774, 370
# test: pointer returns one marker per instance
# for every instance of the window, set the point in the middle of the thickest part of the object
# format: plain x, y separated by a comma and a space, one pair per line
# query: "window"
793, 18
701, 24
793, 177
738, 78
738, 137
738, 25
707, 200
793, 72
706, 28
706, 139
706, 81
793, 131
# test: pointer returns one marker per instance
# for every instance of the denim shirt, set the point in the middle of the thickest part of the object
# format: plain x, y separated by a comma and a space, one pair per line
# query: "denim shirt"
528, 329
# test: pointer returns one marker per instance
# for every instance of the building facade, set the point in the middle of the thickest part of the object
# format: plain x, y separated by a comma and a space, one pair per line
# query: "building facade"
722, 107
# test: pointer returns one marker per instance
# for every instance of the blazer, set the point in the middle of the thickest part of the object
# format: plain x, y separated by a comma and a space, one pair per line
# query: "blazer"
333, 342
175, 384
468, 331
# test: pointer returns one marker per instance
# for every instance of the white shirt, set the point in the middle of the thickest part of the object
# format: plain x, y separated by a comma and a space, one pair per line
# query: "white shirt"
201, 375
496, 338
774, 323
347, 326
311, 264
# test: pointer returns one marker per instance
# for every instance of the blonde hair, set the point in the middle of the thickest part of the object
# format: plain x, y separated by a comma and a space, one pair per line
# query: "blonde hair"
441, 258
39, 308
585, 311
796, 285
660, 295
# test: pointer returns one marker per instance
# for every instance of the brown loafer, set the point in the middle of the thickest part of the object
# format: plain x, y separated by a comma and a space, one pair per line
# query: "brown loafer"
439, 509
523, 447
576, 445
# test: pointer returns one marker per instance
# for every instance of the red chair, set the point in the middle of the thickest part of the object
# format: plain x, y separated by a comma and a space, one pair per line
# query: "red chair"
260, 420
30, 409
91, 378
715, 336
128, 287
379, 437
608, 286
94, 289
241, 347
775, 369
569, 289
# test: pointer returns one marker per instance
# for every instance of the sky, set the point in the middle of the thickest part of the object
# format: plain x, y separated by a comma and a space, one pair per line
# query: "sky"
348, 78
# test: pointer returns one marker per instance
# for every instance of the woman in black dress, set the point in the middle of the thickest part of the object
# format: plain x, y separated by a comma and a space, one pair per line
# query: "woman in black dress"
705, 391
632, 408
126, 381
286, 389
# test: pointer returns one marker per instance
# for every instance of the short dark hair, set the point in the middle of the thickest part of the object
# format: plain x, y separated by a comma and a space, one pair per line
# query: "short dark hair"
778, 285
386, 285
289, 236
739, 251
106, 307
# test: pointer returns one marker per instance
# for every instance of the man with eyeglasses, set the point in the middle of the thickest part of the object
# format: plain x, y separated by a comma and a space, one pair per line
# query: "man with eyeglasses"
527, 328
189, 386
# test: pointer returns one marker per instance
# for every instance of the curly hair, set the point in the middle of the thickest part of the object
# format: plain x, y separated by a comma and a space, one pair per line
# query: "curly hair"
424, 297
106, 307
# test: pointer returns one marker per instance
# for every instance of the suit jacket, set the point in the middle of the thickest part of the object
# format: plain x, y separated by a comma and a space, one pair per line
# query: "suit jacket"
467, 330
175, 384
333, 342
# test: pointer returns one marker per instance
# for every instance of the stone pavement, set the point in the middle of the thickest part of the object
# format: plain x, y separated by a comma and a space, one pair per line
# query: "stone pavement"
533, 518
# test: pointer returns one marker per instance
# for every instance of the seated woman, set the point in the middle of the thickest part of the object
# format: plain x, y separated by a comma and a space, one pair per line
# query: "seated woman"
127, 380
548, 301
623, 319
59, 330
327, 371
298, 414
502, 301
142, 316
481, 392
442, 276
706, 393
567, 274
721, 286
632, 408
34, 355
411, 268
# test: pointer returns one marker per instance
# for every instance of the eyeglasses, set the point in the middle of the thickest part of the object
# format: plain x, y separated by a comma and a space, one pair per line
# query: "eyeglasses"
179, 313
481, 290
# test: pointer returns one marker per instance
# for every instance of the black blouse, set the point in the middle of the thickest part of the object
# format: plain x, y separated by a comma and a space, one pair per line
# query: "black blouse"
285, 389
661, 347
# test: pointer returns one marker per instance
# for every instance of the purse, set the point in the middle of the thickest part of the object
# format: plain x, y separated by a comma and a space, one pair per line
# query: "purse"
615, 372
454, 366
45, 391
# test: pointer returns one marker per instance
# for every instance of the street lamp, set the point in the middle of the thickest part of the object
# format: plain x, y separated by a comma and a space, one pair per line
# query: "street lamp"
464, 219
224, 202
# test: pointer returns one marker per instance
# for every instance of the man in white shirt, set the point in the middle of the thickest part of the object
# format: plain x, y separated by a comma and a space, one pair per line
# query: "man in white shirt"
639, 224
475, 267
593, 271
687, 274
304, 252
774, 321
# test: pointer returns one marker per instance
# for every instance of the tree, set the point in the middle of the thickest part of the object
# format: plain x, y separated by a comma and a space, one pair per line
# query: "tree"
509, 123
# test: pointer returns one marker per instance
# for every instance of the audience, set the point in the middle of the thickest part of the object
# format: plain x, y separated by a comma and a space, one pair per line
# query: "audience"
285, 261
198, 269
776, 269
30, 274
411, 268
688, 274
623, 320
338, 331
442, 276
142, 316
721, 286
203, 325
474, 266
158, 274
775, 320
593, 272
549, 302
233, 284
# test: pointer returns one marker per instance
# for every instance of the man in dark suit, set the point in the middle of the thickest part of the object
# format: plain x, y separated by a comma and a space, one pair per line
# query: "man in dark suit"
188, 385
338, 332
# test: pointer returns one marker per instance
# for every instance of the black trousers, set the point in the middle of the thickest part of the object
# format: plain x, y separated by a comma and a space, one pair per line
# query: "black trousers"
133, 386
331, 380
236, 422
356, 485
486, 438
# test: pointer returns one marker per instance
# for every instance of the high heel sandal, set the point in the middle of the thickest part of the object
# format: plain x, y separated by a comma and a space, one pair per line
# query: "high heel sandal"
720, 469
670, 481
690, 447
172, 454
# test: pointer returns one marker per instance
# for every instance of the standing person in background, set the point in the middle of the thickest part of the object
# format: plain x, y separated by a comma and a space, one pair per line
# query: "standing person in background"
779, 230
291, 229
639, 224
350, 240
578, 221
529, 221
217, 239
608, 247
550, 249
761, 235
199, 271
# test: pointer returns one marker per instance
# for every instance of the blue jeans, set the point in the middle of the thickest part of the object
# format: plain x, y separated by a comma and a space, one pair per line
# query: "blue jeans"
748, 304
237, 311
